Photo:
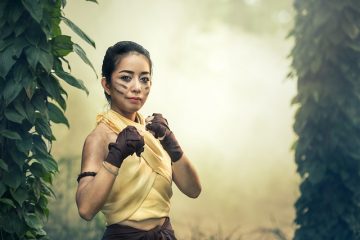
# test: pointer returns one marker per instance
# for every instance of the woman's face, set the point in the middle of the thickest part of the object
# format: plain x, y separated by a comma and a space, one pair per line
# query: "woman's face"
130, 84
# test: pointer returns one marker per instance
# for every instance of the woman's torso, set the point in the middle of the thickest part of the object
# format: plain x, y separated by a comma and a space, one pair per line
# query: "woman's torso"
146, 224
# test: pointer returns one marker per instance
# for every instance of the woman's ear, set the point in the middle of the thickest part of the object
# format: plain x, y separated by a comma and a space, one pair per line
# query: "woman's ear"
105, 85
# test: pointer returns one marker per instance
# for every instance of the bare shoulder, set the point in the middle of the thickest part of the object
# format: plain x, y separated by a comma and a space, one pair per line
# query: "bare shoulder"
95, 148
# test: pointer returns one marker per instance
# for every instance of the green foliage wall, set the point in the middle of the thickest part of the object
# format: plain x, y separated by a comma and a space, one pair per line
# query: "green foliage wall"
326, 62
32, 51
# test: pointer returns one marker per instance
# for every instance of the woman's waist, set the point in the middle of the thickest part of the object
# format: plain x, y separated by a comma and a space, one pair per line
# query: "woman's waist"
146, 224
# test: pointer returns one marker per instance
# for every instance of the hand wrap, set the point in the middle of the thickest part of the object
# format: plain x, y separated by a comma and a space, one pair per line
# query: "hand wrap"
128, 142
158, 125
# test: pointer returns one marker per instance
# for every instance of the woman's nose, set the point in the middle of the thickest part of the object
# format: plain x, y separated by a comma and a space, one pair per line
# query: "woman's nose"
136, 86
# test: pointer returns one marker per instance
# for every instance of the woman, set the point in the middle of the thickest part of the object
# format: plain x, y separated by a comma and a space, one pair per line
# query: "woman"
128, 162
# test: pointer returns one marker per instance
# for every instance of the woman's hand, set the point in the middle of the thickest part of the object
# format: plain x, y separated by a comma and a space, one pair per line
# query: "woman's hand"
184, 174
159, 127
128, 142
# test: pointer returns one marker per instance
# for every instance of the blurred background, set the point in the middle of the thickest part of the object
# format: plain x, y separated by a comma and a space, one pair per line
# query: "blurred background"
220, 70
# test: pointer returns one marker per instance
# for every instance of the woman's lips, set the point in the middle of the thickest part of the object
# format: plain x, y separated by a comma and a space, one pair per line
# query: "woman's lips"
134, 99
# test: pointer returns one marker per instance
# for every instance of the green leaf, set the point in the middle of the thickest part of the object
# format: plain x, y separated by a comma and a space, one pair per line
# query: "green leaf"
35, 8
11, 221
40, 232
13, 116
30, 89
78, 31
36, 187
62, 45
21, 71
10, 134
36, 55
5, 44
37, 169
56, 115
39, 102
48, 176
7, 202
33, 56
30, 112
17, 156
3, 165
43, 128
43, 202
6, 61
48, 191
25, 144
72, 80
2, 8
52, 86
51, 19
16, 11
12, 178
33, 221
20, 195
40, 147
21, 26
19, 107
79, 51
11, 91
49, 164
2, 189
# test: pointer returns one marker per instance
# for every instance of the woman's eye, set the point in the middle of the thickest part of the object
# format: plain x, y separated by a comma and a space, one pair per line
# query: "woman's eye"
125, 78
145, 79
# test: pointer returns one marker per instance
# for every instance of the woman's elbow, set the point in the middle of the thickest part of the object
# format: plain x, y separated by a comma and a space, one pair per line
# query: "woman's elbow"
195, 193
85, 213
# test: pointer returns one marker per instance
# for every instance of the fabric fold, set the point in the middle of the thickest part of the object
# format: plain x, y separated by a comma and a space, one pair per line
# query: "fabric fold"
137, 174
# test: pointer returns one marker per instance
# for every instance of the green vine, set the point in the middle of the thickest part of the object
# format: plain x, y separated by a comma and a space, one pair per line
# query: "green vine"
326, 62
32, 55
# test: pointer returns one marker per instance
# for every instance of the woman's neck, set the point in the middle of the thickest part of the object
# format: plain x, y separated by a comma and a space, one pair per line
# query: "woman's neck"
131, 116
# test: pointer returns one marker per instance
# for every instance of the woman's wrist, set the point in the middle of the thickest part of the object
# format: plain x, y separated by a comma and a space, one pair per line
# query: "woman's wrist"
115, 156
172, 147
110, 168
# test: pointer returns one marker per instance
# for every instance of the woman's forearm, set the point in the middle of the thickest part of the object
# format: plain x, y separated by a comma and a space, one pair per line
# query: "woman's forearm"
186, 178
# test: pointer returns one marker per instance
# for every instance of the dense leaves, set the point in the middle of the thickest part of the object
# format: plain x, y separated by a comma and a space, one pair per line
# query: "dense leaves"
32, 51
326, 62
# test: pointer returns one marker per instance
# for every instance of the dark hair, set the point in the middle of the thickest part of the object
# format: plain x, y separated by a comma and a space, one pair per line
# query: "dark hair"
115, 53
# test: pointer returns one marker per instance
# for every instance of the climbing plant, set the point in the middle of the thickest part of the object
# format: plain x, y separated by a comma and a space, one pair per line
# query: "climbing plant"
33, 69
326, 63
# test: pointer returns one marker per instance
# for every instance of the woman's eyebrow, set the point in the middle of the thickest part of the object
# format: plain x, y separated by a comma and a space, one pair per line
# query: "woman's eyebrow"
126, 71
131, 72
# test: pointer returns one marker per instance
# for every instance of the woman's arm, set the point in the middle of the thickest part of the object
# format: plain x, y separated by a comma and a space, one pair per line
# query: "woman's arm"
184, 174
186, 178
93, 191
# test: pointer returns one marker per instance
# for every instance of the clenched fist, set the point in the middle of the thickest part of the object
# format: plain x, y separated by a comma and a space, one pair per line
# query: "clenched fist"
128, 142
159, 127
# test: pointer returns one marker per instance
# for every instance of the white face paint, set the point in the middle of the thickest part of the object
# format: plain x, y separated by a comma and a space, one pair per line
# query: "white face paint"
130, 84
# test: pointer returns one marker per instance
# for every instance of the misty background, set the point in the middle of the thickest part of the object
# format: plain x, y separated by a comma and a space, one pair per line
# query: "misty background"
220, 79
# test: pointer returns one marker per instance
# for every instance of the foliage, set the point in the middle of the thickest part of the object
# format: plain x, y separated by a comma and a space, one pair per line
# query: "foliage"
32, 54
326, 62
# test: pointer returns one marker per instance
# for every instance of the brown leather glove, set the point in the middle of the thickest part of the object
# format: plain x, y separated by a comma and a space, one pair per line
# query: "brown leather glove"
158, 125
128, 142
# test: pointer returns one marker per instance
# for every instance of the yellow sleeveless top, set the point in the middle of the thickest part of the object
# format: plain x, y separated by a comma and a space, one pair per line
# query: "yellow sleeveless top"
142, 190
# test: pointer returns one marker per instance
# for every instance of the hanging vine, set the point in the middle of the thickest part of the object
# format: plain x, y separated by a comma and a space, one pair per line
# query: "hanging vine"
326, 63
32, 55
